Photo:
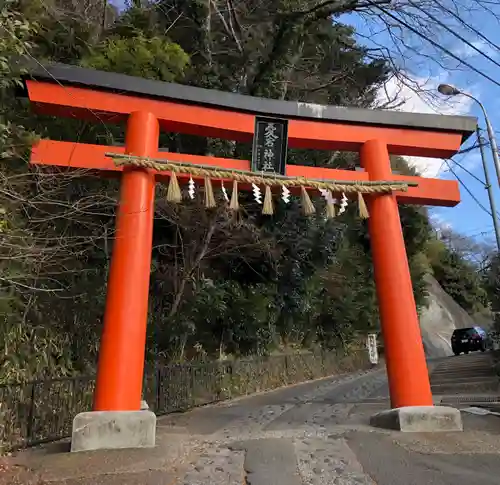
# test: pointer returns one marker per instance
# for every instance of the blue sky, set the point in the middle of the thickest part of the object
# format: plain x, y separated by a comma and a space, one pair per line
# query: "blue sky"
468, 217
429, 67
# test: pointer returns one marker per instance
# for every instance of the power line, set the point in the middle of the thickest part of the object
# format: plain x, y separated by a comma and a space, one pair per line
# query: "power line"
488, 227
468, 190
472, 29
467, 171
463, 235
470, 232
482, 233
464, 152
477, 231
458, 36
435, 44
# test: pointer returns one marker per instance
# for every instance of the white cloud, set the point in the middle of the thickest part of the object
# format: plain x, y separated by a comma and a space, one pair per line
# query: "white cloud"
420, 95
439, 222
464, 50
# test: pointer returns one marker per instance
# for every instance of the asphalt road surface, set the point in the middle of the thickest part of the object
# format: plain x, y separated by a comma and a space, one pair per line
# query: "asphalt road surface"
311, 434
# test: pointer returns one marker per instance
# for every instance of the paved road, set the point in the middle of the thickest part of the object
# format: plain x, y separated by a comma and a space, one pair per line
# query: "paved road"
312, 434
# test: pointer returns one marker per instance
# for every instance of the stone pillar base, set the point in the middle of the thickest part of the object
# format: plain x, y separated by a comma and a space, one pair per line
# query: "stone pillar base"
108, 430
419, 419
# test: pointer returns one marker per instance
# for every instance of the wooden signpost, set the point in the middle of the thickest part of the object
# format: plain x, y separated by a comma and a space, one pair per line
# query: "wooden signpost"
270, 145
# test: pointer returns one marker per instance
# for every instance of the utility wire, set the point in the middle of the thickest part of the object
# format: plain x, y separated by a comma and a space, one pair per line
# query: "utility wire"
472, 29
468, 190
465, 237
478, 231
483, 229
482, 182
444, 234
458, 36
435, 44
488, 227
464, 152
483, 233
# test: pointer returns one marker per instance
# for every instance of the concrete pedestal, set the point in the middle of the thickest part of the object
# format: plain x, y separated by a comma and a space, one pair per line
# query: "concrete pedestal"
107, 430
419, 419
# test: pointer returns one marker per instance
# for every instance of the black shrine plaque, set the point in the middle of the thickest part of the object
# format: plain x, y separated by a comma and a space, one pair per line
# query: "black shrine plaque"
270, 143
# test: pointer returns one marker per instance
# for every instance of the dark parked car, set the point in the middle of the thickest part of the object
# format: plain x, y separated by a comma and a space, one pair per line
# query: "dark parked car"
468, 339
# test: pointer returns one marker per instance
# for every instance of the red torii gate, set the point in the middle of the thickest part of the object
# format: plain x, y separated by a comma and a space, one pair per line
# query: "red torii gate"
148, 106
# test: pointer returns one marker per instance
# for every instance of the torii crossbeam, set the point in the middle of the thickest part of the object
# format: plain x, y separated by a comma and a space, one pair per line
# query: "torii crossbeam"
150, 106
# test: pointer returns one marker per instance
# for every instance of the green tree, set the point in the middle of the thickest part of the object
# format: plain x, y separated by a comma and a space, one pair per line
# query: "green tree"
219, 284
152, 58
459, 278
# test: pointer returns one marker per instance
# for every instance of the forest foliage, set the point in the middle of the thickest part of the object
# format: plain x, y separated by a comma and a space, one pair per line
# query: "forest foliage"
217, 288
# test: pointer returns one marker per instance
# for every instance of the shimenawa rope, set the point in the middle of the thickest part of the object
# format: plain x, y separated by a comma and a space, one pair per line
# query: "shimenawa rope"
174, 193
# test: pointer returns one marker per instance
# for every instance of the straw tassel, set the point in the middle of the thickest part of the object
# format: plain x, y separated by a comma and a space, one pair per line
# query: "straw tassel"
268, 208
209, 194
330, 208
234, 205
363, 210
307, 206
174, 191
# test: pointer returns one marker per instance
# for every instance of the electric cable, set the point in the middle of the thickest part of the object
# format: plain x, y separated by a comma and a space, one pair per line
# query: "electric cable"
468, 190
462, 21
436, 44
451, 31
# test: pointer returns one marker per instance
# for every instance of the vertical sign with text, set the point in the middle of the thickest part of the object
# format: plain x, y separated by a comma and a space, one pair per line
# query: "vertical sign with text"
270, 143
371, 343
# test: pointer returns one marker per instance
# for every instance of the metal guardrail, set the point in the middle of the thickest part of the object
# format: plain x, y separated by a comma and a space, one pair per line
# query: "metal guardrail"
41, 411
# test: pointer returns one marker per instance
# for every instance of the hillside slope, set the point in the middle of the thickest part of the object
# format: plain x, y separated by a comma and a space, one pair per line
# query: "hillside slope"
439, 319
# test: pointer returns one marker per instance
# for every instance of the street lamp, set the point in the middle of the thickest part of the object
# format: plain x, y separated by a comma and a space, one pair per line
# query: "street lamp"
448, 90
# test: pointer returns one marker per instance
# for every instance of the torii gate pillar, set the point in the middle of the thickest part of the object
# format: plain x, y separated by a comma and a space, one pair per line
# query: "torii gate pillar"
123, 342
404, 353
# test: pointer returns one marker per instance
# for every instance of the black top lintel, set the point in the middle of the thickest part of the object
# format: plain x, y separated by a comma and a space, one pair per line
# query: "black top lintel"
136, 86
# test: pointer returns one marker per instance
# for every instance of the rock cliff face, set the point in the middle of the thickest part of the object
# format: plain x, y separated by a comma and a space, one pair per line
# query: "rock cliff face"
440, 318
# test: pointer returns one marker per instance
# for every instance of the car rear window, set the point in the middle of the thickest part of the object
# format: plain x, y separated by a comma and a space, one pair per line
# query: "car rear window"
465, 332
